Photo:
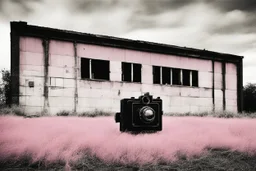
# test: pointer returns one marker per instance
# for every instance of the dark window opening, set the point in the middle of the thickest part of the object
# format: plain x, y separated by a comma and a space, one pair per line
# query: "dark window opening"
85, 68
166, 75
131, 72
195, 78
100, 69
137, 73
186, 77
156, 74
126, 71
176, 76
94, 69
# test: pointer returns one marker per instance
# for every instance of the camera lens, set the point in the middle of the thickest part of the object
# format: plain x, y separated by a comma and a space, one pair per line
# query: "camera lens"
147, 114
145, 100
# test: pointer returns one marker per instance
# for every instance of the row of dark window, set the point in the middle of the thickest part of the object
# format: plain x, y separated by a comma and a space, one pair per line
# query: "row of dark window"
175, 76
131, 72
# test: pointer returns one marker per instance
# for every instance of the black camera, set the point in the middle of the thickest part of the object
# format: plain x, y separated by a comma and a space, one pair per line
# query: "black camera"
143, 114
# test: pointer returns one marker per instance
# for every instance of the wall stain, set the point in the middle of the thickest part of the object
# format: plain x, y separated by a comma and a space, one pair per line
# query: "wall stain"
45, 43
75, 72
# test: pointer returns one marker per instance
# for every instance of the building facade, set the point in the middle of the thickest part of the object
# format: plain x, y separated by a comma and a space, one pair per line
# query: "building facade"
55, 70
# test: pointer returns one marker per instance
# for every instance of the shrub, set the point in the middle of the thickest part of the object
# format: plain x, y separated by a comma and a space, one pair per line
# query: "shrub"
5, 87
13, 110
95, 113
249, 93
64, 113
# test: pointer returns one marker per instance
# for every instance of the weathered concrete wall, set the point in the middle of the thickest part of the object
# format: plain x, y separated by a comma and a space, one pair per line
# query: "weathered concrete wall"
61, 75
106, 95
31, 69
175, 98
231, 87
218, 86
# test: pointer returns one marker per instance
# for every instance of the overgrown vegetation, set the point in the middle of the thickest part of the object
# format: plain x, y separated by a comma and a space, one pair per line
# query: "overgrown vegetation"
216, 159
94, 113
13, 110
250, 98
5, 87
55, 144
219, 114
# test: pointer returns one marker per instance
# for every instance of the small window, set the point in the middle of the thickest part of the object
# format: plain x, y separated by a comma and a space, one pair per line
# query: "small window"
100, 69
137, 73
131, 72
94, 69
186, 77
176, 76
195, 78
85, 68
156, 74
126, 72
166, 75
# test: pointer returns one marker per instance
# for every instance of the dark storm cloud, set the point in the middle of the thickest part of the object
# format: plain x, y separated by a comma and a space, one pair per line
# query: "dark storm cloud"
142, 12
146, 13
88, 6
230, 5
151, 7
245, 26
243, 8
10, 8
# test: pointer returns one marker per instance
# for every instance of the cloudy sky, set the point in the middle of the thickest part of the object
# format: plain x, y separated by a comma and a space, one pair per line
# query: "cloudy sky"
227, 26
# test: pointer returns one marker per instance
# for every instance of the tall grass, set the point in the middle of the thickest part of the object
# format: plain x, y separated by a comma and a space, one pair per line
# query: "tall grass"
68, 140
93, 140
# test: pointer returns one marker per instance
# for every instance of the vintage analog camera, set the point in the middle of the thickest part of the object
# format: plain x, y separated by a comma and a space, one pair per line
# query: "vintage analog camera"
143, 114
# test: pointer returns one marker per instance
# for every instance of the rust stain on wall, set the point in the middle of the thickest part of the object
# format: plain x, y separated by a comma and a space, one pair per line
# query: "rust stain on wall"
75, 72
224, 84
46, 72
213, 87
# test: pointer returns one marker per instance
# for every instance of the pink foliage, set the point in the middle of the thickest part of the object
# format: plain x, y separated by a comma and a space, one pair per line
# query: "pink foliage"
69, 138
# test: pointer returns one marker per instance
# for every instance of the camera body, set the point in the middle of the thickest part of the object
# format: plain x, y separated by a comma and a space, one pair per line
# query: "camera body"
143, 114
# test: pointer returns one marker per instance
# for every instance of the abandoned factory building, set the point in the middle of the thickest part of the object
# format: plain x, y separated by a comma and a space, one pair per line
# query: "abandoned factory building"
54, 70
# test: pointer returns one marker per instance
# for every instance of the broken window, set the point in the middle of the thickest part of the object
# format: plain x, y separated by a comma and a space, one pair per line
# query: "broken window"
186, 77
131, 72
94, 69
176, 76
166, 75
195, 78
156, 75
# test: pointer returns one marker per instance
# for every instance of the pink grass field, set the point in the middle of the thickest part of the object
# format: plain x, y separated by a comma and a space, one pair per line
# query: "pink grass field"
69, 138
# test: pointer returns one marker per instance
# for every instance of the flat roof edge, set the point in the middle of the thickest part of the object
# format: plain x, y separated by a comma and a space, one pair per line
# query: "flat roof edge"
23, 29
